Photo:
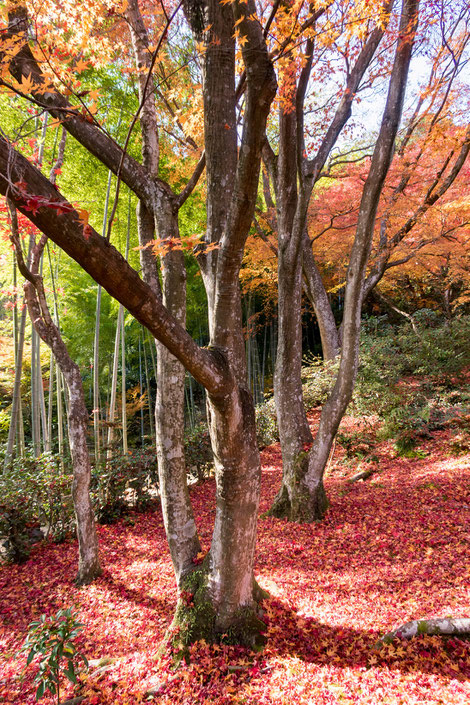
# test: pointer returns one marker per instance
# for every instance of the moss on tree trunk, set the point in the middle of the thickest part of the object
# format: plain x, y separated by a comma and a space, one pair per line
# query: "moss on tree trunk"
196, 619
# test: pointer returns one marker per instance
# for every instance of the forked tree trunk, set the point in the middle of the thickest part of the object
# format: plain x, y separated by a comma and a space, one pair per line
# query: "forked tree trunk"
223, 587
314, 505
294, 178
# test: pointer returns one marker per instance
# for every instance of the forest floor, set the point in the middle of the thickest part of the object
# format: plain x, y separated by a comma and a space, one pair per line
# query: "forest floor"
393, 548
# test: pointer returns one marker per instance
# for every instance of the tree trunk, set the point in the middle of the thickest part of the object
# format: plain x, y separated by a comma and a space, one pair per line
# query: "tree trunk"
169, 408
169, 414
294, 431
318, 297
19, 349
314, 505
294, 178
88, 564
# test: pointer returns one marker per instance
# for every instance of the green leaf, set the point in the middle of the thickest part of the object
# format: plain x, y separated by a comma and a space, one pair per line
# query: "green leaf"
70, 674
40, 690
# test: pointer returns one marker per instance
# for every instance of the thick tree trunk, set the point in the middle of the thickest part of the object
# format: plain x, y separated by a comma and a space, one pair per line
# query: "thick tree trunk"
238, 478
228, 575
294, 431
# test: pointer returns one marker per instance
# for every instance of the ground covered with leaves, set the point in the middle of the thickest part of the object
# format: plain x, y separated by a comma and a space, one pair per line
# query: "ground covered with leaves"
393, 548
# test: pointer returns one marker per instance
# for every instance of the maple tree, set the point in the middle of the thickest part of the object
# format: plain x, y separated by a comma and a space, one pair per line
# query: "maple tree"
232, 46
414, 234
294, 174
225, 582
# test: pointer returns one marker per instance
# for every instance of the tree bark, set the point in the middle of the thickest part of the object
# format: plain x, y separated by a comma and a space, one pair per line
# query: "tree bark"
294, 255
169, 408
227, 575
341, 394
318, 297
88, 564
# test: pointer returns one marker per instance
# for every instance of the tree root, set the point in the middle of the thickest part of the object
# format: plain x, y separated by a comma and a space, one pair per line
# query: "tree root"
363, 475
438, 626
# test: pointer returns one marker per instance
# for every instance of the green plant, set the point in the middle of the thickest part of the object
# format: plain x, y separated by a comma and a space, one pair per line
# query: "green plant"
198, 452
125, 482
359, 444
266, 424
317, 379
51, 639
35, 494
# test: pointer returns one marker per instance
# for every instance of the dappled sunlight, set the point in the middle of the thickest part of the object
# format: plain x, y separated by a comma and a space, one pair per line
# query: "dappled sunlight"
389, 551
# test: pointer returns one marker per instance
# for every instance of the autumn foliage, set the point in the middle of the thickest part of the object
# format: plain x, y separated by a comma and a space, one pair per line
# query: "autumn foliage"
391, 549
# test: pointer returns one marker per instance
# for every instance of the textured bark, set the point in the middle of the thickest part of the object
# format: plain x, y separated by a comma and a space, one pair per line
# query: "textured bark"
88, 564
104, 264
169, 409
169, 414
232, 192
341, 394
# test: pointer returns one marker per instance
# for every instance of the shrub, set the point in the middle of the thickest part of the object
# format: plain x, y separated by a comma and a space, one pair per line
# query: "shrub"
125, 482
34, 493
317, 378
359, 444
52, 639
198, 452
267, 431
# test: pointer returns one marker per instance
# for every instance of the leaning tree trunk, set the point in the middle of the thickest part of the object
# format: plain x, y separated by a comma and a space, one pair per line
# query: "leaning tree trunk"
88, 564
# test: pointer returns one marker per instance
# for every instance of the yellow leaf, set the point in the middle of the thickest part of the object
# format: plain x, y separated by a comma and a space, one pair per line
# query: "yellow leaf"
81, 65
26, 84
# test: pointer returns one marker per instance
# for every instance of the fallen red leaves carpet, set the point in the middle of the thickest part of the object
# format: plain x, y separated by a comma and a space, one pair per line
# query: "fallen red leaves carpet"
392, 549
